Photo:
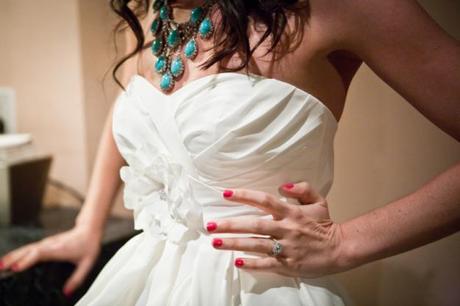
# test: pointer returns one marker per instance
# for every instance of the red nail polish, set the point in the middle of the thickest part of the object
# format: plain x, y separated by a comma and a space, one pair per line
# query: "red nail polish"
239, 262
228, 193
211, 226
67, 292
216, 242
288, 185
1, 265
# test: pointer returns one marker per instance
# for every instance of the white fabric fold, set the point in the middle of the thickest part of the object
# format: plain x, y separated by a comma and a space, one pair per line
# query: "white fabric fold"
182, 150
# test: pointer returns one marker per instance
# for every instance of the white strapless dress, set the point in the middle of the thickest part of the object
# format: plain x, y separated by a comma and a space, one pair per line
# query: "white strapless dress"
224, 130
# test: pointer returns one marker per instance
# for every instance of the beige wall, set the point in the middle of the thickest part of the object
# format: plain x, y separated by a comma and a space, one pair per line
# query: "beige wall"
385, 149
54, 53
40, 58
98, 55
96, 23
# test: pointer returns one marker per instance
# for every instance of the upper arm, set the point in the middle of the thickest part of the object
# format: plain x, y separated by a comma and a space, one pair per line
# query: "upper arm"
130, 67
400, 42
128, 43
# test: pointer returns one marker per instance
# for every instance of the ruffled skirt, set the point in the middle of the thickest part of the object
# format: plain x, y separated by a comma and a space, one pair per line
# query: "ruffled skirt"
152, 271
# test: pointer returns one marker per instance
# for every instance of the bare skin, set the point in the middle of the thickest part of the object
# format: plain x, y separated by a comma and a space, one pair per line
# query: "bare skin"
314, 66
407, 50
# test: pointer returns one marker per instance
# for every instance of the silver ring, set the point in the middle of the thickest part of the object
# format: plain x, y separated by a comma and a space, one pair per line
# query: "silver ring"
277, 247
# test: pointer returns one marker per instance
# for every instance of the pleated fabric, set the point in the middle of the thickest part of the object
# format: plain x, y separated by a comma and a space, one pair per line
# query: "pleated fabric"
225, 130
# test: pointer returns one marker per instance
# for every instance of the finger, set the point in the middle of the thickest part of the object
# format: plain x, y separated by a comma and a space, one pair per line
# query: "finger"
246, 224
303, 191
265, 201
12, 257
264, 263
255, 244
28, 260
78, 276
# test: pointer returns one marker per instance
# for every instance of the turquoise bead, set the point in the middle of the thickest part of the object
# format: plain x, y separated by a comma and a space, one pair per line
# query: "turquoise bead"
157, 45
155, 25
173, 38
196, 15
205, 28
166, 82
160, 65
177, 67
164, 14
190, 49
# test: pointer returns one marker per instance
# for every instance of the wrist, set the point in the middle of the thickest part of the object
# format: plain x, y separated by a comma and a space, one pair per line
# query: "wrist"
349, 251
87, 223
89, 231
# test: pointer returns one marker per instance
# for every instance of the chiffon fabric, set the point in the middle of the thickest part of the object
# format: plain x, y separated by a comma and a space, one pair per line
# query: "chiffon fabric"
221, 131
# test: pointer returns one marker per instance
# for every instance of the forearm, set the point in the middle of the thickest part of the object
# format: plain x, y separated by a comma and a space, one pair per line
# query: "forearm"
105, 182
426, 215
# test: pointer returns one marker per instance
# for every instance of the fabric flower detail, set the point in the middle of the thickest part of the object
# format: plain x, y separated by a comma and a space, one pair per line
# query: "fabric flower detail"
158, 191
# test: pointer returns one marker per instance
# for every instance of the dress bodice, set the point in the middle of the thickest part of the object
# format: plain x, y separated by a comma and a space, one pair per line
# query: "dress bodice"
221, 131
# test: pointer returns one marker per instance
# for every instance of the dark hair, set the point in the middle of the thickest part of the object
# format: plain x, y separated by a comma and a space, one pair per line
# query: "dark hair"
232, 30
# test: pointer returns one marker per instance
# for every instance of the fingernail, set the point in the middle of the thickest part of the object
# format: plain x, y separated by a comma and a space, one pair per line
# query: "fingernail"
67, 292
216, 242
1, 265
211, 226
239, 262
15, 267
228, 193
288, 185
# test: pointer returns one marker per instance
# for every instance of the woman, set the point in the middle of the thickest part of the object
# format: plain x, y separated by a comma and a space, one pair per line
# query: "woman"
232, 239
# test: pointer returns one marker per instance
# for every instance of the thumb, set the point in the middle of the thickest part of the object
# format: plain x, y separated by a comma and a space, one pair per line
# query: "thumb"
303, 191
78, 276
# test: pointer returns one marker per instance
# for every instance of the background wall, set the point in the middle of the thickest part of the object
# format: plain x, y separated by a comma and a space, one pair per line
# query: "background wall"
40, 57
97, 54
385, 149
55, 53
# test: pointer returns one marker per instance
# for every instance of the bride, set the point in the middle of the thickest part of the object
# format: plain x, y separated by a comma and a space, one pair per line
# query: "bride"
223, 138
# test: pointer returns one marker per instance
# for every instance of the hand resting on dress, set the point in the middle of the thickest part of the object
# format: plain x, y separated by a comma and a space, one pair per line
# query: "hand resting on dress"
312, 244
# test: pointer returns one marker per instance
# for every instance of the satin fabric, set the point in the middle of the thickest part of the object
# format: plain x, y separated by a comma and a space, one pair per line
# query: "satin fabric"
221, 131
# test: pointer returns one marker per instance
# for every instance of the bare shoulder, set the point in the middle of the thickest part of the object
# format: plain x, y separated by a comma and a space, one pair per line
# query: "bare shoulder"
329, 24
403, 45
349, 24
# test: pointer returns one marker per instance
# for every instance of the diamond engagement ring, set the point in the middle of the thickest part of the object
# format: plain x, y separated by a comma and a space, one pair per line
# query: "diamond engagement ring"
277, 247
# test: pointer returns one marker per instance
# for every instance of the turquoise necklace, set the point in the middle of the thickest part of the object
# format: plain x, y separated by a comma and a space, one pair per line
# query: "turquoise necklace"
171, 37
